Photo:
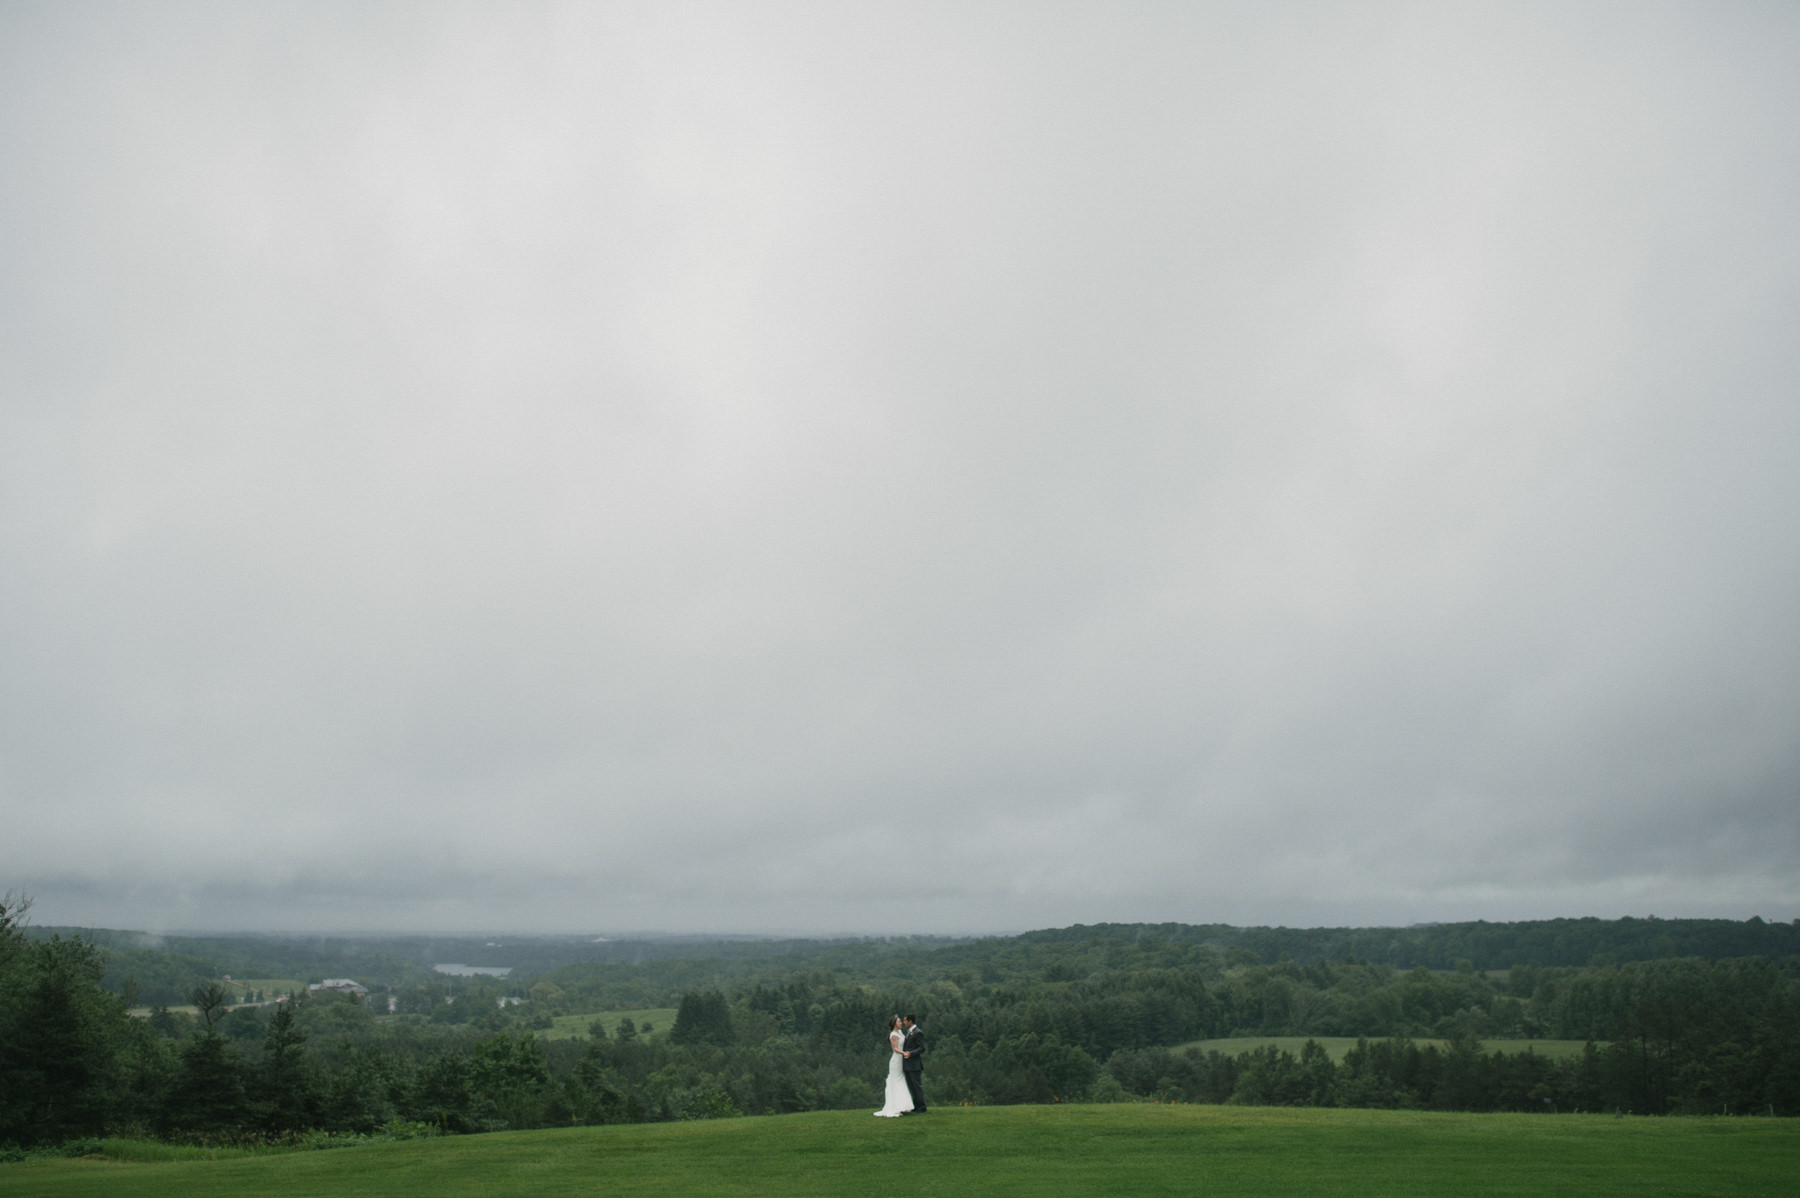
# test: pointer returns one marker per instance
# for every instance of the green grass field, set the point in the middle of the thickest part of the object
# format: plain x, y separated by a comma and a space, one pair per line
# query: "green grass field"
573, 1027
1024, 1151
238, 987
1337, 1046
272, 986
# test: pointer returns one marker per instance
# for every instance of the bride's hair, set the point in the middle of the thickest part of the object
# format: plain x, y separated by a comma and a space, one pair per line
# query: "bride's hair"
893, 1023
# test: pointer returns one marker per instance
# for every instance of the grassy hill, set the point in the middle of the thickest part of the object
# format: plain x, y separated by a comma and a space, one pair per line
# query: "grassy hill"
1025, 1150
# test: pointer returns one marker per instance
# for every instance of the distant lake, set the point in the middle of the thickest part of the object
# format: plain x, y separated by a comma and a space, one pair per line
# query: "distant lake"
469, 971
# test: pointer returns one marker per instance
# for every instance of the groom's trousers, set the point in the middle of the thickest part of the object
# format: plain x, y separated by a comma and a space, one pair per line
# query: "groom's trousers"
915, 1089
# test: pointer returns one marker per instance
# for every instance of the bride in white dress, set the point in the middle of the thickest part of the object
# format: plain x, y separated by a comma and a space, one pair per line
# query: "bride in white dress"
898, 1099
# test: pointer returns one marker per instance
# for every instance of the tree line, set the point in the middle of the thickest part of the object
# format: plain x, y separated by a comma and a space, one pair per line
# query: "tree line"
1066, 1015
164, 969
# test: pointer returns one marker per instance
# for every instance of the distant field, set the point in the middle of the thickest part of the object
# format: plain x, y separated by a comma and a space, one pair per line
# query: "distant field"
271, 986
189, 1009
575, 1027
239, 987
1337, 1046
1030, 1151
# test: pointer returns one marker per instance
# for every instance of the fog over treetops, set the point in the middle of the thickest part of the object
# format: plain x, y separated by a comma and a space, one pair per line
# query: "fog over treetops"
898, 467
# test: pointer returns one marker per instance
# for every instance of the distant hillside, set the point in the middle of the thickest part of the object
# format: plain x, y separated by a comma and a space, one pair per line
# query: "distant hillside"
164, 969
1553, 942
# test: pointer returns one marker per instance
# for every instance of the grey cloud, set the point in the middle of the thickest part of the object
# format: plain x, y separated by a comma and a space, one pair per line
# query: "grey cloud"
807, 468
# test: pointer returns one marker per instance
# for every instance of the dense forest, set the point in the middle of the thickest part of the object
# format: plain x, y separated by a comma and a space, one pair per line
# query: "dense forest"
165, 969
1678, 1016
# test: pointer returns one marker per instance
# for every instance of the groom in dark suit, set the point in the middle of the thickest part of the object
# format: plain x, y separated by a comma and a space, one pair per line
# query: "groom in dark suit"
912, 1063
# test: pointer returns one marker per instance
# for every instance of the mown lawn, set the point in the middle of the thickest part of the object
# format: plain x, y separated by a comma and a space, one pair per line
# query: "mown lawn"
1025, 1151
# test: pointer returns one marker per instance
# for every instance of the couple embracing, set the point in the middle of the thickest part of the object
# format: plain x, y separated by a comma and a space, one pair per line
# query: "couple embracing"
905, 1096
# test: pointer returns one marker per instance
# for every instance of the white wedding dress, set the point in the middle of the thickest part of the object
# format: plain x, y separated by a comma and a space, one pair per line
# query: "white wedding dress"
898, 1099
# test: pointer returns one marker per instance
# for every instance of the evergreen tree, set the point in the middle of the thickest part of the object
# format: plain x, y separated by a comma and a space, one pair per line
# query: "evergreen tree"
60, 1035
288, 1091
703, 1018
210, 1089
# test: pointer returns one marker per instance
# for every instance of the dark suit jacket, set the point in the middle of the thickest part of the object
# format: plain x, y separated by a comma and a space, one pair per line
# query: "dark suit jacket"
914, 1047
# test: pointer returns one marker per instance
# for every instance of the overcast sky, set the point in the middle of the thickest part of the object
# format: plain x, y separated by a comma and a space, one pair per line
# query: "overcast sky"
898, 467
